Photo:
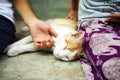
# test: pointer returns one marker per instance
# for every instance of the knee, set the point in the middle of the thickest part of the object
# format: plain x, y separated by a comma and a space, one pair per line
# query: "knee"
111, 69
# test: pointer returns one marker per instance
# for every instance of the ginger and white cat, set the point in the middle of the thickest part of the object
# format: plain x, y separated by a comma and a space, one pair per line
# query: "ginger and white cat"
68, 44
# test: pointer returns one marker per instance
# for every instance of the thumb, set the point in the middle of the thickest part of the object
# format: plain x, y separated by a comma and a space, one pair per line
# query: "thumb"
52, 32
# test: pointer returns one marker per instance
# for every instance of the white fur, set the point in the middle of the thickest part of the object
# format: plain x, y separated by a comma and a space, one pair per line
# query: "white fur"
60, 49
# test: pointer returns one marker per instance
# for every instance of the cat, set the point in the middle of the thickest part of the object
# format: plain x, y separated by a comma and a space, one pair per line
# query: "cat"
68, 44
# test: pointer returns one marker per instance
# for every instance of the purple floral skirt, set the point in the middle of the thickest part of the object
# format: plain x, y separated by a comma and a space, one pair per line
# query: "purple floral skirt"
102, 47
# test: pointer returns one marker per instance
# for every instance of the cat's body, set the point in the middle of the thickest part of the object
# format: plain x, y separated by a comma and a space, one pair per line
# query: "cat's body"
68, 44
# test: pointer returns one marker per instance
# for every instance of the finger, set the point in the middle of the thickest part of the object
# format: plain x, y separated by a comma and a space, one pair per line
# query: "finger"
40, 43
115, 16
113, 21
52, 32
68, 17
37, 45
50, 43
107, 19
43, 43
71, 18
75, 19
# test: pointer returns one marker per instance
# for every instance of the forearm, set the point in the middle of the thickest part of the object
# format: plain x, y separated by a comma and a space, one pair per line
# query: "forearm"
74, 4
40, 31
24, 10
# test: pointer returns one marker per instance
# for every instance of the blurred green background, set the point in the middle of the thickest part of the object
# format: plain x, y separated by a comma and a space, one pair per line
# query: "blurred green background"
46, 9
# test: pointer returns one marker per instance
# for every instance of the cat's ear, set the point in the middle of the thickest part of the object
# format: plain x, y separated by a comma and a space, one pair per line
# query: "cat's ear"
74, 40
78, 35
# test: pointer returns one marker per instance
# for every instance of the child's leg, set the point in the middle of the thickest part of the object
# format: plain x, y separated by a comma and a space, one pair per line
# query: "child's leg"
102, 43
7, 33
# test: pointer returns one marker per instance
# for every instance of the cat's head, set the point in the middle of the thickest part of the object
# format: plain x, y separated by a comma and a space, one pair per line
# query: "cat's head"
70, 48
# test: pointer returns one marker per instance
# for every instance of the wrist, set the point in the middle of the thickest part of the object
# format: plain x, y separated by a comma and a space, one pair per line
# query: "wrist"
30, 21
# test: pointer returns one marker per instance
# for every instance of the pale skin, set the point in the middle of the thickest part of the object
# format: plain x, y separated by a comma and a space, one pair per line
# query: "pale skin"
73, 14
40, 31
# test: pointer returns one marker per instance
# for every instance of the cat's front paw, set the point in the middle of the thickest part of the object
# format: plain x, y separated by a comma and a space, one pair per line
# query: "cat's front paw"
14, 51
7, 48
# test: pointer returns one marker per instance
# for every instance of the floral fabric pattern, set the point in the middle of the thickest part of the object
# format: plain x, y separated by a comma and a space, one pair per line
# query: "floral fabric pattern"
102, 45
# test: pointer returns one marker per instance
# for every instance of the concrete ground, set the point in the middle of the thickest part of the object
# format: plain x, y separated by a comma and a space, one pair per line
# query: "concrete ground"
38, 66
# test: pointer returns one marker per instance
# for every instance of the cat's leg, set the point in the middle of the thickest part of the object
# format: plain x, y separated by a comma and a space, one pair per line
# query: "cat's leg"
14, 51
23, 41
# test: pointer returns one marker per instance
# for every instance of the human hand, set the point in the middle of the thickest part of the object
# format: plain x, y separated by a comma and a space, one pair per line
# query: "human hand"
73, 15
41, 33
113, 18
